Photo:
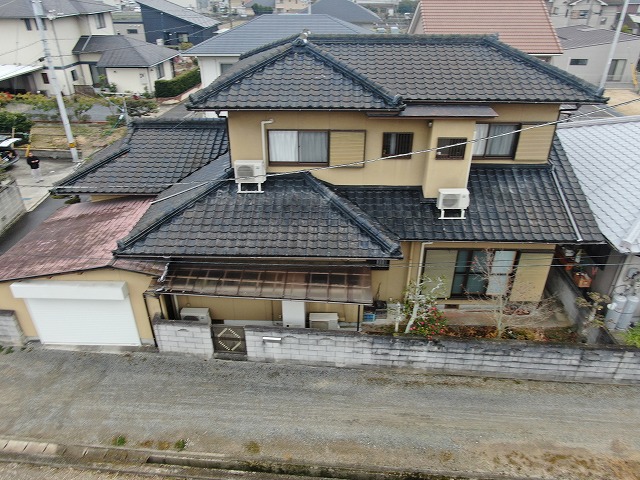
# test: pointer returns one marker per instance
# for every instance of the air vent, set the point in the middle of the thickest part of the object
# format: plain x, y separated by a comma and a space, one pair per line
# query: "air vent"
249, 172
453, 202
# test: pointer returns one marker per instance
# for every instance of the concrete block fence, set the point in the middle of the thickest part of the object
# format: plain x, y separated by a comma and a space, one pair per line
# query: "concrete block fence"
10, 331
11, 204
509, 359
176, 336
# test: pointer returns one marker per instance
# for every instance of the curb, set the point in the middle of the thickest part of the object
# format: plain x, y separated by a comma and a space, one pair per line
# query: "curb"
205, 465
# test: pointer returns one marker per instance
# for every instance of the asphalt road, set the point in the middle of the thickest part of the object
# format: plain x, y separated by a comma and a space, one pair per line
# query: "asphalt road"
322, 415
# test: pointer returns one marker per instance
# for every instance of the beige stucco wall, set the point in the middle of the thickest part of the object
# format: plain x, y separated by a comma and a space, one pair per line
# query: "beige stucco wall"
137, 79
422, 169
136, 282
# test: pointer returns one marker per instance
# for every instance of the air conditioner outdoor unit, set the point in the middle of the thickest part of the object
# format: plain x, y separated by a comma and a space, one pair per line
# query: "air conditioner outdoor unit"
200, 315
249, 172
453, 199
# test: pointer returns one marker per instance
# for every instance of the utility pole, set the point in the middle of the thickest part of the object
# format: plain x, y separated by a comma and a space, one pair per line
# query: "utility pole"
53, 79
612, 50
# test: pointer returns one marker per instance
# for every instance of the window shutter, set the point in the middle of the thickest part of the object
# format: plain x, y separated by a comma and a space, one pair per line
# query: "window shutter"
531, 276
534, 144
346, 147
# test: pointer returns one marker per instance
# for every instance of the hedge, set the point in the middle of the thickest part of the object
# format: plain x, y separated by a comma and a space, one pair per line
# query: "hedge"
177, 85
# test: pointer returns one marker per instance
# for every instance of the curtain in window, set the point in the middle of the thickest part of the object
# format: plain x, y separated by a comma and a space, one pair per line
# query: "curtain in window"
482, 131
283, 146
500, 146
313, 147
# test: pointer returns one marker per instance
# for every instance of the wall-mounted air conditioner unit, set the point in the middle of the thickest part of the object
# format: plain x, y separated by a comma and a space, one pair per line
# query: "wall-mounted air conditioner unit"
452, 201
249, 172
200, 315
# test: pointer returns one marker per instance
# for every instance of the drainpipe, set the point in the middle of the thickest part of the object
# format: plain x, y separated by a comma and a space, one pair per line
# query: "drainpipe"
264, 137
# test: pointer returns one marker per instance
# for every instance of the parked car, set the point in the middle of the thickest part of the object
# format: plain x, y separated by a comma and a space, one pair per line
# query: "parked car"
8, 154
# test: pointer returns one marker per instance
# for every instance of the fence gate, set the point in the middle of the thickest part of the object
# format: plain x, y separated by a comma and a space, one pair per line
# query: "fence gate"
229, 340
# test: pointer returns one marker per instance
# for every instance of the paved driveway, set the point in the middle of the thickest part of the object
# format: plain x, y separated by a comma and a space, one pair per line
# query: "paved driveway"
324, 415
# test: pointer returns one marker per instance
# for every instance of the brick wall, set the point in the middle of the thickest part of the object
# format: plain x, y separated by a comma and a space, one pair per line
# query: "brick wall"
183, 337
10, 332
11, 204
511, 359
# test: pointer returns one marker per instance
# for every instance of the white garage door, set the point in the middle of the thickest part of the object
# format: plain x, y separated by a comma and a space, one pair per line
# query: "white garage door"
80, 313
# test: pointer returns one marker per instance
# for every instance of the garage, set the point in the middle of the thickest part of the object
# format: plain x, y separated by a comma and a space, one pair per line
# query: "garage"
79, 313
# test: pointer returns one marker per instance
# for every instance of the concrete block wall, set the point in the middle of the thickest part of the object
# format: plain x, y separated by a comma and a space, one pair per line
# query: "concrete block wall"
10, 331
11, 204
183, 337
510, 359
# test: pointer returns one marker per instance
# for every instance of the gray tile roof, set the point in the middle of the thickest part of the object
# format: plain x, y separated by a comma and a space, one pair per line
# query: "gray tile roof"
578, 36
266, 29
604, 156
181, 13
123, 51
419, 68
63, 8
296, 216
154, 156
345, 10
508, 204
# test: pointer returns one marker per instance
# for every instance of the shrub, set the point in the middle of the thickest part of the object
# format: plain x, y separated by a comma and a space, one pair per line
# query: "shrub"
632, 336
429, 322
177, 85
19, 121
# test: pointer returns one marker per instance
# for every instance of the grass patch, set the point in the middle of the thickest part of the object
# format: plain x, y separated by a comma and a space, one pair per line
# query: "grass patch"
252, 447
147, 444
180, 444
164, 445
119, 441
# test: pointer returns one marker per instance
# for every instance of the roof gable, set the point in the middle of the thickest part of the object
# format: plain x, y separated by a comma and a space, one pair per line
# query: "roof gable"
76, 237
523, 24
296, 216
265, 29
153, 156
181, 13
598, 151
418, 68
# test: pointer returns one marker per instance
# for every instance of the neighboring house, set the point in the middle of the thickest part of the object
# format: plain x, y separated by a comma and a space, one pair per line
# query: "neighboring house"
129, 64
278, 6
129, 24
595, 13
21, 58
219, 53
586, 51
62, 279
167, 23
348, 11
523, 24
612, 189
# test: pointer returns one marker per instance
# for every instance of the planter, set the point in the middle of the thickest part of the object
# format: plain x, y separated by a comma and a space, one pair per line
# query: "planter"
581, 279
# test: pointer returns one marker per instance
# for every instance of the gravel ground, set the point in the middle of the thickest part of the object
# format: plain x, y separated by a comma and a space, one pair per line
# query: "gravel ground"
325, 415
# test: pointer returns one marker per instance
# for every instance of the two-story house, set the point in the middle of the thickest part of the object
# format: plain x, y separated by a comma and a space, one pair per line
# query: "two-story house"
358, 164
65, 23
594, 13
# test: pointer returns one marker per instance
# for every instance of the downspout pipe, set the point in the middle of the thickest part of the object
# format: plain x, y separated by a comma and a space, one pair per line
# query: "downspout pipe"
263, 129
563, 198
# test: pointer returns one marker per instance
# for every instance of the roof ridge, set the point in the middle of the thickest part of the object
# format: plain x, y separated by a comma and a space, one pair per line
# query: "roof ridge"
131, 239
369, 225
269, 46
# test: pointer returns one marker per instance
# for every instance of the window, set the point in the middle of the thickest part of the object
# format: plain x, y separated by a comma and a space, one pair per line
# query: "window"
182, 37
160, 70
455, 152
74, 75
224, 67
616, 70
502, 145
27, 23
397, 144
132, 31
578, 61
478, 272
100, 23
45, 78
293, 146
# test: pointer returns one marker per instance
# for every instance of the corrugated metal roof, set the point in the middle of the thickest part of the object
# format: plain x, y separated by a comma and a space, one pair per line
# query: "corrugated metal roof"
523, 24
62, 8
604, 156
76, 237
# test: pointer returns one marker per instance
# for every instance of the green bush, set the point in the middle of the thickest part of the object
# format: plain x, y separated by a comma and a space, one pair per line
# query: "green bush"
177, 85
632, 336
19, 121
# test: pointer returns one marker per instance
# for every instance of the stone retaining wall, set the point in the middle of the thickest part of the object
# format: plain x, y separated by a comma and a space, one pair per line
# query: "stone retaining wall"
11, 204
177, 336
10, 332
511, 359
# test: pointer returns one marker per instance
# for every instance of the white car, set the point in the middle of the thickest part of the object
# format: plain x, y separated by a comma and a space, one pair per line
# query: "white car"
8, 154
